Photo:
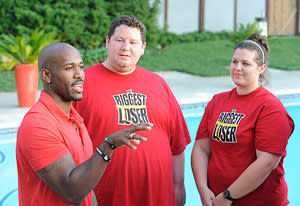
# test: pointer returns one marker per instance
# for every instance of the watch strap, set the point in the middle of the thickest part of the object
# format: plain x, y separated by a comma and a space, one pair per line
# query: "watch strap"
226, 194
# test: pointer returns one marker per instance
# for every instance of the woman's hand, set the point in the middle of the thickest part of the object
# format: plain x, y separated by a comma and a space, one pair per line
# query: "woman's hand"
221, 201
207, 196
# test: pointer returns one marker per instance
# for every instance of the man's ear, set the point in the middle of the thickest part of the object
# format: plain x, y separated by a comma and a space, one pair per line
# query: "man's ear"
143, 48
46, 75
106, 42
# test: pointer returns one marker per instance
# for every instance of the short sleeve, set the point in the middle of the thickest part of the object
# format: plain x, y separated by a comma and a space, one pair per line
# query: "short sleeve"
203, 131
273, 129
179, 133
41, 144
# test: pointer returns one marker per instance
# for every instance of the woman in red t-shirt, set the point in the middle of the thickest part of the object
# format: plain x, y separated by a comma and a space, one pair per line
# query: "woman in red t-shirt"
241, 141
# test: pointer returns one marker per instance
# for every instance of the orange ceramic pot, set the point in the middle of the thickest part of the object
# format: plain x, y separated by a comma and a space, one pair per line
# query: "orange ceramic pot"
26, 83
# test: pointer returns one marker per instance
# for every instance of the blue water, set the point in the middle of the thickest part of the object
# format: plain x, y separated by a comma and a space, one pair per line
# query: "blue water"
8, 170
193, 113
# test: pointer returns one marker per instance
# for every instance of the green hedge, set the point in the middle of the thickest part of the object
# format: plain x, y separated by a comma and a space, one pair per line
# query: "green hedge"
82, 23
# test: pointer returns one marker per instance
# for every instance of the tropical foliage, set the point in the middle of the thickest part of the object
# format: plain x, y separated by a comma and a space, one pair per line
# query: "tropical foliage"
23, 49
243, 31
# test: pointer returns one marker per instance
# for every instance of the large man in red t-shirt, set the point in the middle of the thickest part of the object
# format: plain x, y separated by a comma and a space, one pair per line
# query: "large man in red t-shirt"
117, 93
55, 159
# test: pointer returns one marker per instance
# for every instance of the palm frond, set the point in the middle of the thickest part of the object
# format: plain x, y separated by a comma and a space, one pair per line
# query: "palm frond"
25, 49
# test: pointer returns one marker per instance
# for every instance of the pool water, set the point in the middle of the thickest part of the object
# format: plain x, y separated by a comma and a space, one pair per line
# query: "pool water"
193, 114
8, 169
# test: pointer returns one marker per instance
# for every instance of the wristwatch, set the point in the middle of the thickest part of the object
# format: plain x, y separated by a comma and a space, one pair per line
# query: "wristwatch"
226, 194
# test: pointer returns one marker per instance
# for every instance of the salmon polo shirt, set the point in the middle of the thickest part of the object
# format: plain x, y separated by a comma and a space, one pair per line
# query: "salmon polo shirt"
45, 135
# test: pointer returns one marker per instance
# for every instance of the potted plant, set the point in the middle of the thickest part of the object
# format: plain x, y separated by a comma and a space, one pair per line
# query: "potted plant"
21, 54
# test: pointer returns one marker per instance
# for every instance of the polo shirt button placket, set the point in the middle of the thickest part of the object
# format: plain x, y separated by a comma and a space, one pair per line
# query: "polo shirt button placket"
77, 128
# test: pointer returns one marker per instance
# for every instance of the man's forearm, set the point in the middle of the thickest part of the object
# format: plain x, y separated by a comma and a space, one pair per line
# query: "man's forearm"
180, 194
178, 177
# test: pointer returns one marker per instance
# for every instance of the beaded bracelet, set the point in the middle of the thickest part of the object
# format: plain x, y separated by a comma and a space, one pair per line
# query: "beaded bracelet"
104, 157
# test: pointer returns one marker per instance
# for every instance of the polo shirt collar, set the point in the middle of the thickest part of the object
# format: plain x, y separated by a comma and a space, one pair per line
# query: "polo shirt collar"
56, 111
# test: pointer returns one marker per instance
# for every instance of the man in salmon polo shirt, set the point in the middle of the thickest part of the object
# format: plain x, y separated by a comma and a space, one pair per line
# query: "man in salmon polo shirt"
117, 94
55, 158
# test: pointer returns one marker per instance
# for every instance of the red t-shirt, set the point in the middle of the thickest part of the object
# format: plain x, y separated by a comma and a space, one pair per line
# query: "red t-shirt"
113, 102
237, 125
45, 135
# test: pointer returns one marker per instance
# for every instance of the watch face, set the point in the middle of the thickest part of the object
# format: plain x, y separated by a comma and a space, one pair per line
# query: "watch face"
226, 193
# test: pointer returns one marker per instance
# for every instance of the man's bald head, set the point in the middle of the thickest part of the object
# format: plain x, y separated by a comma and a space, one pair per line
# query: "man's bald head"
52, 53
61, 71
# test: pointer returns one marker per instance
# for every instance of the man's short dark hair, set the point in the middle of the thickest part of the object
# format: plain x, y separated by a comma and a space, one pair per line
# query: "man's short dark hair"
130, 21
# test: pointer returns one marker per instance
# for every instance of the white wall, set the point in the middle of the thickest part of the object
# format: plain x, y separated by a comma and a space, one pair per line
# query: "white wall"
247, 11
183, 16
219, 15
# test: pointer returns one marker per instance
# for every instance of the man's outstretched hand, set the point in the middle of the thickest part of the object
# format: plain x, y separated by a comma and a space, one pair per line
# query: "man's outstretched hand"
128, 135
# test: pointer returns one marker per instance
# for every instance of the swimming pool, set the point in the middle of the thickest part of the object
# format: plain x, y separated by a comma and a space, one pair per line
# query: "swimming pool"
193, 114
8, 168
